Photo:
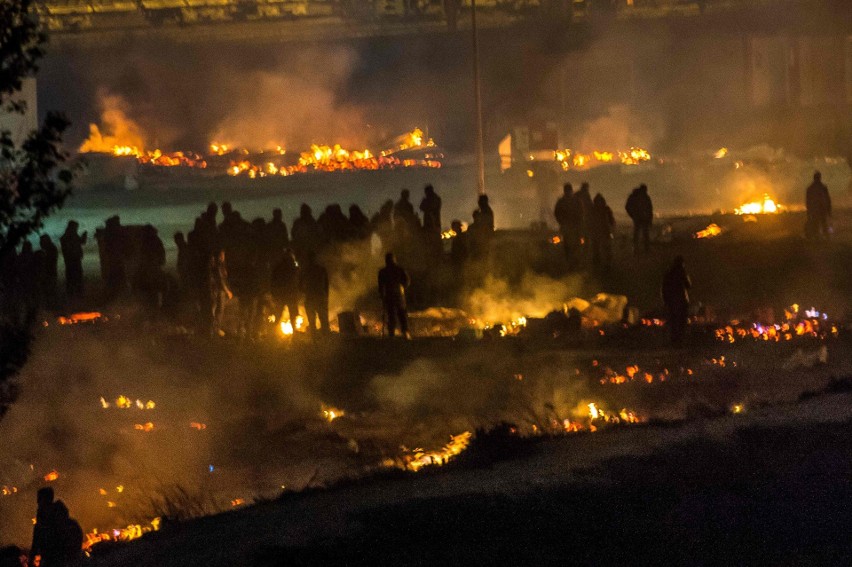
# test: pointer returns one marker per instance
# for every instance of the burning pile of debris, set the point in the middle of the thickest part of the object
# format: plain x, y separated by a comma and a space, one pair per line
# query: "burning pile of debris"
571, 159
412, 149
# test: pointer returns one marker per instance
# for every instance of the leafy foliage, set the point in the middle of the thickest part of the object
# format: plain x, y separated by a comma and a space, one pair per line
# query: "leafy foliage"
33, 179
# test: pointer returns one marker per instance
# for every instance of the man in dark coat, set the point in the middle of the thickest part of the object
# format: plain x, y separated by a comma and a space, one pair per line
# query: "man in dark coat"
284, 285
393, 281
314, 284
676, 285
601, 225
48, 262
72, 253
818, 203
569, 215
641, 211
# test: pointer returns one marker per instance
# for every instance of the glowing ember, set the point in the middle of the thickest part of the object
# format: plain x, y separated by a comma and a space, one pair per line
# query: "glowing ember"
237, 502
720, 153
131, 532
711, 231
8, 490
86, 317
51, 476
416, 459
568, 158
764, 207
146, 427
330, 413
198, 426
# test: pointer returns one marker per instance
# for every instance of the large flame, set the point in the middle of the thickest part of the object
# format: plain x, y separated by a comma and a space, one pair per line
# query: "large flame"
569, 159
764, 207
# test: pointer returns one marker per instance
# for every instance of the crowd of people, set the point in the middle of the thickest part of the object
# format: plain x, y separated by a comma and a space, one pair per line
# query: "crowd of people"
276, 273
586, 225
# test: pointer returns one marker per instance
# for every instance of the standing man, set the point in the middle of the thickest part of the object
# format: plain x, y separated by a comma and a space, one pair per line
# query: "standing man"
72, 253
641, 211
818, 203
393, 281
220, 291
314, 285
430, 206
676, 285
569, 215
285, 286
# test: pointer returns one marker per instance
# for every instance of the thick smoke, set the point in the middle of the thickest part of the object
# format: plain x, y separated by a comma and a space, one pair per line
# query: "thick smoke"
293, 107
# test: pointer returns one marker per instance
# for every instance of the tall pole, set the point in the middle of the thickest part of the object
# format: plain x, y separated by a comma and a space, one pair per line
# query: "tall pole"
480, 152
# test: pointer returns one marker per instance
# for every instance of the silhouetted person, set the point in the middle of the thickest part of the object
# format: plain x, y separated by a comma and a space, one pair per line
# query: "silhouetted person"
359, 223
314, 284
430, 206
676, 285
149, 278
305, 235
601, 224
818, 203
113, 244
406, 224
334, 224
481, 230
486, 213
48, 267
276, 238
72, 254
57, 538
641, 211
184, 262
403, 210
28, 280
569, 215
584, 199
285, 286
393, 281
220, 291
382, 224
459, 246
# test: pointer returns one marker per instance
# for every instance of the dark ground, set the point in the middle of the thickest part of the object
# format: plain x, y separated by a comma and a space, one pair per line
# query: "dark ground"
766, 496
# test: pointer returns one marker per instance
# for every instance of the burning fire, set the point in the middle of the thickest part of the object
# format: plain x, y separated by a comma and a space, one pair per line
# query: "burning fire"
712, 230
794, 327
51, 476
146, 427
416, 459
568, 158
720, 153
764, 207
85, 317
330, 413
287, 329
131, 532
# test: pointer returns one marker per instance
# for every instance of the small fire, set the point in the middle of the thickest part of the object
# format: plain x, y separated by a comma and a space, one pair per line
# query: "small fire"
198, 426
131, 532
51, 476
84, 317
146, 427
416, 459
287, 328
764, 207
720, 153
711, 231
330, 413
568, 158
8, 490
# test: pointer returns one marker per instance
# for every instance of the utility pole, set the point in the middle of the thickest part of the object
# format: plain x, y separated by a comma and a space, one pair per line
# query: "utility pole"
480, 152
